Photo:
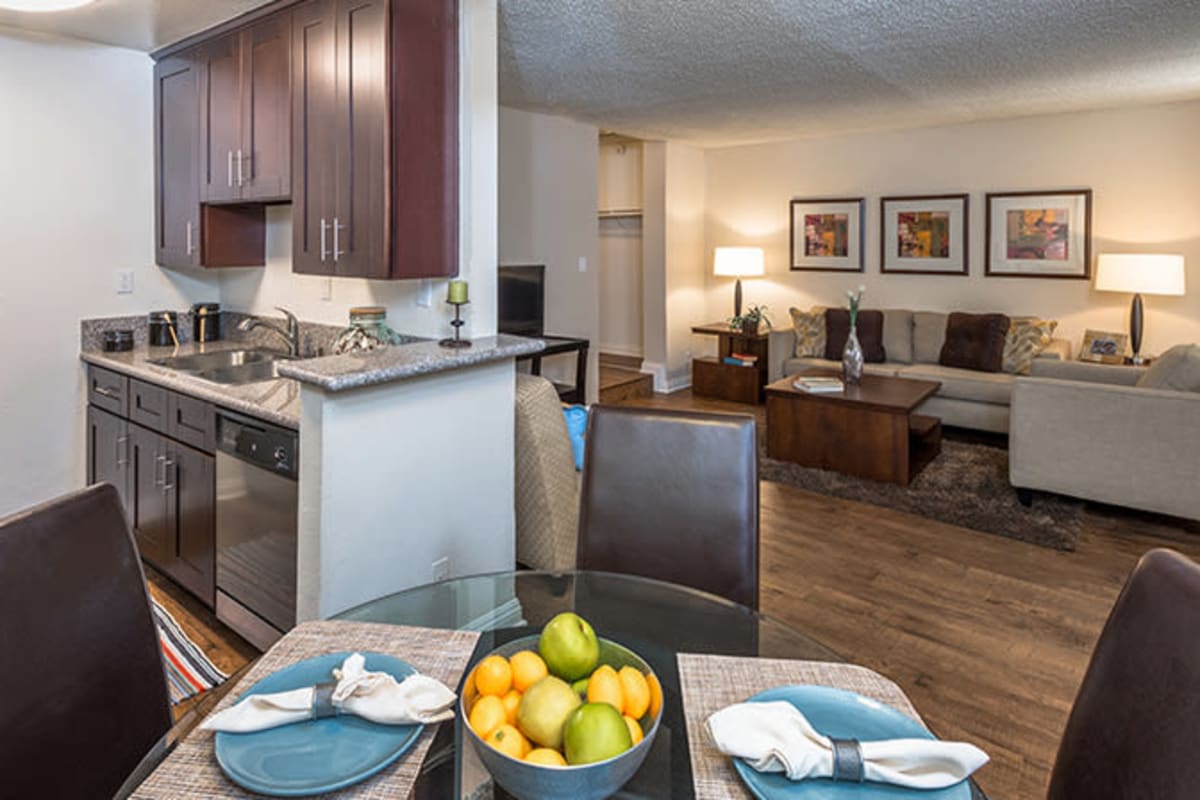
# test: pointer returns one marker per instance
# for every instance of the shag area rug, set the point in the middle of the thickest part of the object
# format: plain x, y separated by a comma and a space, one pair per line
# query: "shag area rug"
966, 485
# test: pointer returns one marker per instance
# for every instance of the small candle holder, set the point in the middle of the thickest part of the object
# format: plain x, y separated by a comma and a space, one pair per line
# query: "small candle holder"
457, 341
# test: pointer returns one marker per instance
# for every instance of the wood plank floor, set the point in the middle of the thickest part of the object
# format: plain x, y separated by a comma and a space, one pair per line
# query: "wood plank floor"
988, 636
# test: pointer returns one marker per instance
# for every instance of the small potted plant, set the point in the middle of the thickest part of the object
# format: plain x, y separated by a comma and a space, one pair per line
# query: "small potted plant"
749, 322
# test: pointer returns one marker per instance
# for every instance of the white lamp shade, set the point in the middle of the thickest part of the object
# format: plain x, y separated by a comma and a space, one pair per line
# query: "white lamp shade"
738, 262
1140, 273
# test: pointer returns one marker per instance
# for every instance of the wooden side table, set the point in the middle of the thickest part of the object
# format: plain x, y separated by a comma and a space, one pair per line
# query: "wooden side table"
712, 377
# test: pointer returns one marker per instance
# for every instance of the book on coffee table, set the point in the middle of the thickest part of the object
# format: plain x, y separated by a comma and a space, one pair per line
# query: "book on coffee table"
819, 385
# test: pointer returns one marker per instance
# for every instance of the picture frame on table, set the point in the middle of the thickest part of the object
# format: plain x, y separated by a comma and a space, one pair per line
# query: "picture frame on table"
827, 234
1103, 347
1046, 234
924, 235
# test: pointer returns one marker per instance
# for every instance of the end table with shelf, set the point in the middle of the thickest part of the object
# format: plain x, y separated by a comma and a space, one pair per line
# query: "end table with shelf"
712, 377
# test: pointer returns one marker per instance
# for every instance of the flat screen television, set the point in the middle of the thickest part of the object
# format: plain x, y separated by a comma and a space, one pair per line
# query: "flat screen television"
522, 299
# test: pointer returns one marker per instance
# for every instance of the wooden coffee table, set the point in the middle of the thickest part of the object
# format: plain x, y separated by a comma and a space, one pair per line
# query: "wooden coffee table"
868, 430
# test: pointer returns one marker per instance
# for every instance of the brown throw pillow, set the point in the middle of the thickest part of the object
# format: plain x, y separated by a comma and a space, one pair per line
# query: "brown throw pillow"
870, 334
975, 341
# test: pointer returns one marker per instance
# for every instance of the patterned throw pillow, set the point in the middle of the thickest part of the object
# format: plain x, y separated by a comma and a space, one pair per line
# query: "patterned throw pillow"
1027, 338
809, 327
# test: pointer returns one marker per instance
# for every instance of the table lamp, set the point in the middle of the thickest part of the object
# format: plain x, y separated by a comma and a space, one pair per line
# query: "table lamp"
738, 262
1140, 273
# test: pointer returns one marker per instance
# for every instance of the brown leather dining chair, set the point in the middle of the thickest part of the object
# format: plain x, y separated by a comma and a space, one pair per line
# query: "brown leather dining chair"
83, 694
672, 495
1133, 730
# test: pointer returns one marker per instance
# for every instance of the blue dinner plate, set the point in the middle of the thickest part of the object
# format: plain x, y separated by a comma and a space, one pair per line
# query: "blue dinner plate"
842, 715
318, 755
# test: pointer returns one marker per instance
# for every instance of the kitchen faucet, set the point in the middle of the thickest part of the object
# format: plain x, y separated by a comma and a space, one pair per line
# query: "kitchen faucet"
292, 334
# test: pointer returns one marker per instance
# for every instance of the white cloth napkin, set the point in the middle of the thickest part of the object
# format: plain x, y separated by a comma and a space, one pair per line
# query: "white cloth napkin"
375, 696
776, 737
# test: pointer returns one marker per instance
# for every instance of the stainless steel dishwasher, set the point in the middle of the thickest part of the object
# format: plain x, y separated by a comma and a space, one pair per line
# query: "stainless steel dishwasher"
257, 513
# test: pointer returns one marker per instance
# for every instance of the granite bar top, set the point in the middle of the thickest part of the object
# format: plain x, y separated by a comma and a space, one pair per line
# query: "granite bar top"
402, 362
276, 400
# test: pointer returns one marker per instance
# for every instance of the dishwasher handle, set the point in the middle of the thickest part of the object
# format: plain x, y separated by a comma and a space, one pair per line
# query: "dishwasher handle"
259, 443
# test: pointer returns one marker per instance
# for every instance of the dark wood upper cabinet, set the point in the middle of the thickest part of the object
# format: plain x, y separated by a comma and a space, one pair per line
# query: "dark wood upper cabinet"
245, 113
176, 144
349, 108
375, 158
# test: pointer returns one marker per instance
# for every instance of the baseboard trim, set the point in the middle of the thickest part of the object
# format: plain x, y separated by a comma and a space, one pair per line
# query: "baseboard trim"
659, 371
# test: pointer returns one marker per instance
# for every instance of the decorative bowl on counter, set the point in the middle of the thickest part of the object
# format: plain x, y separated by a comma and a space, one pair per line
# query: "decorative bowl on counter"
530, 781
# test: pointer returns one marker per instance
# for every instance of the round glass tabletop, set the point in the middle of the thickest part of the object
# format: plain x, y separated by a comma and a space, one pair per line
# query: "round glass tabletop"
654, 619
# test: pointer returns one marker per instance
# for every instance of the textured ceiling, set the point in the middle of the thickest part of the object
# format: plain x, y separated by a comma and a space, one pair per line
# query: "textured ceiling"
137, 24
734, 71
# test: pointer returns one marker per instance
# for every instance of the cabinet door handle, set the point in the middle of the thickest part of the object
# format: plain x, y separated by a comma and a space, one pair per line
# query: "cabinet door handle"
239, 167
160, 463
190, 248
168, 469
122, 450
337, 226
324, 250
229, 168
104, 391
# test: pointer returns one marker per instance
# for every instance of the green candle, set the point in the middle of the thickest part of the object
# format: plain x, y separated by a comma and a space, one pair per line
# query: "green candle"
457, 293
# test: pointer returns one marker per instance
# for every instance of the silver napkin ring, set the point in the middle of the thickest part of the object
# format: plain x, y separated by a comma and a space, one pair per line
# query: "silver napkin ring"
847, 761
322, 702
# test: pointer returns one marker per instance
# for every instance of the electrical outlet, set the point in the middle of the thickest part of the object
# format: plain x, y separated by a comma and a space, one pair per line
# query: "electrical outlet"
327, 289
125, 281
441, 569
425, 293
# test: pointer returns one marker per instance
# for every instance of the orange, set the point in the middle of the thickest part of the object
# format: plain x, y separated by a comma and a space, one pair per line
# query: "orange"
546, 757
527, 669
635, 730
487, 715
493, 676
508, 740
656, 699
605, 687
636, 692
511, 701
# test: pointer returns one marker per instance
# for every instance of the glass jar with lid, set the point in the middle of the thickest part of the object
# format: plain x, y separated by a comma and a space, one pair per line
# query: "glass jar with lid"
368, 331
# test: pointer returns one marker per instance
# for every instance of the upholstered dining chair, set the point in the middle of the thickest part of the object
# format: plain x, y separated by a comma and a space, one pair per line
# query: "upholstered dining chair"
1134, 726
83, 694
672, 495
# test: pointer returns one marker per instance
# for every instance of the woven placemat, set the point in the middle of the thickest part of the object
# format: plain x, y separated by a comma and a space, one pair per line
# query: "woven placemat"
709, 683
191, 772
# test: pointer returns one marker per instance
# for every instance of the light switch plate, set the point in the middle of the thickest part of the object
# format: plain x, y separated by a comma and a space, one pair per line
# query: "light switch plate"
125, 281
327, 289
583, 263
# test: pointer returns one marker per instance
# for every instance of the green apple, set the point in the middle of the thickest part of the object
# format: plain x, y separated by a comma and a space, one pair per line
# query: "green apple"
580, 686
544, 709
569, 647
595, 732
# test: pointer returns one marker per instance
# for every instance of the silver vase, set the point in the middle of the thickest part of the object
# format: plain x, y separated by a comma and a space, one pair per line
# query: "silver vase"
852, 359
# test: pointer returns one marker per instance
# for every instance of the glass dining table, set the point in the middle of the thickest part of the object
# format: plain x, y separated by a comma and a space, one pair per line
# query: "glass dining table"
657, 620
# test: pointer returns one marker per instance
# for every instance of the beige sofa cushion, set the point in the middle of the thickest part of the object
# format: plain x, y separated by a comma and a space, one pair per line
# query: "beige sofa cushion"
898, 335
1177, 369
929, 334
794, 365
965, 384
809, 327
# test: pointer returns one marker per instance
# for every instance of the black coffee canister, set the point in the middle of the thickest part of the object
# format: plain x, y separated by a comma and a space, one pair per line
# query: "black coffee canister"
206, 322
118, 341
164, 330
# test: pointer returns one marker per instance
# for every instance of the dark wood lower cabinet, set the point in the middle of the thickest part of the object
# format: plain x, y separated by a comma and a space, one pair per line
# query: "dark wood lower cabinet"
108, 451
148, 501
191, 532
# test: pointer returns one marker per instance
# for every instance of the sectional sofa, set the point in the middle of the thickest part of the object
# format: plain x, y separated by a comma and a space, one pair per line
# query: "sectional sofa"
913, 342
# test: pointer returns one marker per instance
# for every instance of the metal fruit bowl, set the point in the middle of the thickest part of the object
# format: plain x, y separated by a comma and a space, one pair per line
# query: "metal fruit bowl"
527, 781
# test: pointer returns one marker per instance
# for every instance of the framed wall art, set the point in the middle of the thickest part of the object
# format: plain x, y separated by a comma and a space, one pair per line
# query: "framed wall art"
924, 235
1039, 234
827, 235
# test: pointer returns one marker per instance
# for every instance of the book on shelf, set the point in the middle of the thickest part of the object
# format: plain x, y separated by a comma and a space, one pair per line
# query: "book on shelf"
819, 385
737, 362
749, 359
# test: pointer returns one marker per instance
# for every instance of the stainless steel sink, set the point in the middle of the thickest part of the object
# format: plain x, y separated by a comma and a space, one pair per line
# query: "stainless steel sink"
227, 366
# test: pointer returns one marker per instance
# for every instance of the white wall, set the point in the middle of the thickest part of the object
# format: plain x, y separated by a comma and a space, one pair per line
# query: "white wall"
77, 202
548, 215
1143, 165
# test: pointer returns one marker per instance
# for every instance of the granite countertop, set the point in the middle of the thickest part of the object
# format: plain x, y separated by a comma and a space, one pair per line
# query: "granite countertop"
402, 362
275, 400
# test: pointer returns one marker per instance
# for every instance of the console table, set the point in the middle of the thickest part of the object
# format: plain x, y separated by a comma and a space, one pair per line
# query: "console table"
556, 345
712, 377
